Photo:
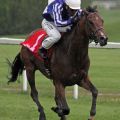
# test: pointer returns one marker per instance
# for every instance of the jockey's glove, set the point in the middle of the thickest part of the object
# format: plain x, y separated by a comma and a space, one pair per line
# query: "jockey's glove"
74, 19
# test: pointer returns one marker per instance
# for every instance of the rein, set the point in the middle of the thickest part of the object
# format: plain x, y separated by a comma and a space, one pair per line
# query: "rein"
92, 34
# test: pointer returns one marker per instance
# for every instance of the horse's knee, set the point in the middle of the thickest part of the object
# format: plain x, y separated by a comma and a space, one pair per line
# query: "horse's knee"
34, 95
95, 93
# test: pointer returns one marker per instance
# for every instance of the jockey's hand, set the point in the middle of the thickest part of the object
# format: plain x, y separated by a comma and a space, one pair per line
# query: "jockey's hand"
75, 19
68, 28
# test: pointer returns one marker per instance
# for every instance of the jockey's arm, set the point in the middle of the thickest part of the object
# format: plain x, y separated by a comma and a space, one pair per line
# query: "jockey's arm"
57, 14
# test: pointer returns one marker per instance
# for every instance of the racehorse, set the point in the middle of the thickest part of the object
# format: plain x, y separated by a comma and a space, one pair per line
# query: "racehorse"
69, 63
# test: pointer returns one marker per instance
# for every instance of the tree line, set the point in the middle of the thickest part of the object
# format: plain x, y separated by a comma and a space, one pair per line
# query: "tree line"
22, 16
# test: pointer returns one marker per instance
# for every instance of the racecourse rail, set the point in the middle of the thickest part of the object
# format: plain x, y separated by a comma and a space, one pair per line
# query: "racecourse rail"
93, 45
14, 41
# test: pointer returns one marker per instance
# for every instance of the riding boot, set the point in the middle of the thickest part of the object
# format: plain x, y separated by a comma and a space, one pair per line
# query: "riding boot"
43, 52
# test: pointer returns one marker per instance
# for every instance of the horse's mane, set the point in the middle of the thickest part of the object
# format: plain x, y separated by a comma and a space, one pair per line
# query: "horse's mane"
91, 9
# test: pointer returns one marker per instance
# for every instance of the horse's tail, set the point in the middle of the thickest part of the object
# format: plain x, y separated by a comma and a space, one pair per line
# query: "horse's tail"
17, 67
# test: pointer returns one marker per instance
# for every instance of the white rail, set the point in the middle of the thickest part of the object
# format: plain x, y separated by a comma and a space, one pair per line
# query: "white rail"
18, 41
4, 40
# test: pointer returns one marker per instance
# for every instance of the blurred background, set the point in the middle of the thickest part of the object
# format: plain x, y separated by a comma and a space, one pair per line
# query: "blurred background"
23, 16
17, 19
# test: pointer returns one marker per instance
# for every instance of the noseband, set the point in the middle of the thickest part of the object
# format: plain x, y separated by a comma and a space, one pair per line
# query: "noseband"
97, 30
92, 35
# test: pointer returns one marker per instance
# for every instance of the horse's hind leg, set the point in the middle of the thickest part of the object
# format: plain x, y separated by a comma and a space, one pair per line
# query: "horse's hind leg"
62, 108
86, 83
34, 94
27, 59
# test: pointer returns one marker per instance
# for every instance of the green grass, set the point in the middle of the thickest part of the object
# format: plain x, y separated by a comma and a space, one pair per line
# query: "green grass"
19, 106
105, 68
104, 73
112, 23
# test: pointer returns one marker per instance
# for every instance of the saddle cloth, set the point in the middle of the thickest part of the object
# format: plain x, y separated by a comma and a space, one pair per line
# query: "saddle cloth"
34, 42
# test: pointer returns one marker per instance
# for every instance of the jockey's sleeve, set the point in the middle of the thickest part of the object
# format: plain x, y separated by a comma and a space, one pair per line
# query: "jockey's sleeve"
57, 15
79, 12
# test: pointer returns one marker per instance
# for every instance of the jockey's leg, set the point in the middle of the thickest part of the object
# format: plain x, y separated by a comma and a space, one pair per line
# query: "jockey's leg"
53, 36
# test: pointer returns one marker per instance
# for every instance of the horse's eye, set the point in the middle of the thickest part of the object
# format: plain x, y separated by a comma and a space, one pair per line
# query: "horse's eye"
91, 22
102, 21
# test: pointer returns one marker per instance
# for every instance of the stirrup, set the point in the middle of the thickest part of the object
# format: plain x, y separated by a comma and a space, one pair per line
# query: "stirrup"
47, 66
48, 71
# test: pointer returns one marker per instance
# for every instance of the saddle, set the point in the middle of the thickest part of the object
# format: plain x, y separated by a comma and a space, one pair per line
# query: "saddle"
34, 43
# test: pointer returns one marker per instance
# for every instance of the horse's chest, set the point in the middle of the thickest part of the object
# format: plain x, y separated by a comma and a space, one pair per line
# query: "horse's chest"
68, 66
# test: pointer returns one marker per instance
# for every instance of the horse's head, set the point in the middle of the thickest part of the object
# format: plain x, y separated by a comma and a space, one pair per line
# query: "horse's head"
94, 26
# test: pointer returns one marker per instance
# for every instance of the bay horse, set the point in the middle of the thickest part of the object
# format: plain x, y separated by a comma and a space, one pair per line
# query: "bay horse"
69, 63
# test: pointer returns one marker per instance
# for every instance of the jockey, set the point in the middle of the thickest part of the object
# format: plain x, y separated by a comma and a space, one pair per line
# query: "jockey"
59, 16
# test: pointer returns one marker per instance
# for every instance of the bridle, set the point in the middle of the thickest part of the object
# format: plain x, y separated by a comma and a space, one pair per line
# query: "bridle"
92, 35
97, 30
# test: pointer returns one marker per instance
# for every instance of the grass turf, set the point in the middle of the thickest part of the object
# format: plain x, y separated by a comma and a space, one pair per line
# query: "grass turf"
104, 72
112, 23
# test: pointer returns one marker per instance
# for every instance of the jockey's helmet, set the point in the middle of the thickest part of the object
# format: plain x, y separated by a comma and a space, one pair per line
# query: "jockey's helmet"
73, 4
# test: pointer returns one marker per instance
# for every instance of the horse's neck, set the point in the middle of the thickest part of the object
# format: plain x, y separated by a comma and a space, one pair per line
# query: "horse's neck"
77, 39
83, 30
75, 43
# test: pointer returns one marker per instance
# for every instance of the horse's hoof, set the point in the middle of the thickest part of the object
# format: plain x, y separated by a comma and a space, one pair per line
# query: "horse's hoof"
58, 111
91, 118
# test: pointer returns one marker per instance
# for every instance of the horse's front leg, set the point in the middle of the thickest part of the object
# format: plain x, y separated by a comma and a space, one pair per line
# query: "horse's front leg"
34, 94
86, 83
62, 108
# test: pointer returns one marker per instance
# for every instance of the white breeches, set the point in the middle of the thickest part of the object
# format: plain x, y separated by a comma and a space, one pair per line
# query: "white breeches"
53, 33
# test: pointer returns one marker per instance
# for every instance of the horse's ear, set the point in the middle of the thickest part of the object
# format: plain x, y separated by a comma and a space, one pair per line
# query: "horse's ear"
91, 9
95, 7
85, 12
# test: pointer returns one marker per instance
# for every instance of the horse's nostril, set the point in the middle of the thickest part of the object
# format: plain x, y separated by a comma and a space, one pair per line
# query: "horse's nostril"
103, 40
